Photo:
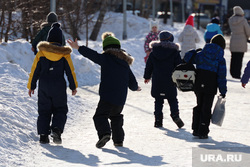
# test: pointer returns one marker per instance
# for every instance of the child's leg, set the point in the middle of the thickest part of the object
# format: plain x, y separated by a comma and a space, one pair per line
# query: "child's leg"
206, 114
60, 110
174, 108
101, 118
44, 113
197, 113
117, 124
159, 101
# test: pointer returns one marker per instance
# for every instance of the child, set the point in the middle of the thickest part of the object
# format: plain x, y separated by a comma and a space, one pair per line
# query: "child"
152, 36
116, 78
188, 37
246, 75
212, 29
210, 74
49, 66
43, 33
162, 60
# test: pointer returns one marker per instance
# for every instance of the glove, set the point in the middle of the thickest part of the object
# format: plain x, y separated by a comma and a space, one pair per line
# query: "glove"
223, 96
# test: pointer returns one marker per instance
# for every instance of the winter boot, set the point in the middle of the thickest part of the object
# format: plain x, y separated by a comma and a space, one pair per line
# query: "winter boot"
44, 139
118, 144
203, 137
158, 123
195, 134
56, 135
104, 139
179, 122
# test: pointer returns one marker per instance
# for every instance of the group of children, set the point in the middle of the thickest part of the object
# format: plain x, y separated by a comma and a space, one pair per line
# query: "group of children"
210, 69
163, 55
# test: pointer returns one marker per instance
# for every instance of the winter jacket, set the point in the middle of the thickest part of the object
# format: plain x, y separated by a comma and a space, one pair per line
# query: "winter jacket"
188, 37
42, 36
152, 36
49, 66
240, 33
116, 75
211, 30
165, 56
211, 69
246, 75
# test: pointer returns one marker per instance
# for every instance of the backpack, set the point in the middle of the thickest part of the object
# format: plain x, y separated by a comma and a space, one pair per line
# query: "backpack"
184, 75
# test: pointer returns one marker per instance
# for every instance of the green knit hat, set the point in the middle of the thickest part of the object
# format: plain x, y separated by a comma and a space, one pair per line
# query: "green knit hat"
110, 41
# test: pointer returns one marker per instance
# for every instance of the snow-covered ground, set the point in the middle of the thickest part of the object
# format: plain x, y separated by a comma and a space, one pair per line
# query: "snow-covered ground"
144, 145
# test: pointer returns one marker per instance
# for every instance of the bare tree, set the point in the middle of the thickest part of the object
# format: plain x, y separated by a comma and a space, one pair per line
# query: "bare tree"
99, 21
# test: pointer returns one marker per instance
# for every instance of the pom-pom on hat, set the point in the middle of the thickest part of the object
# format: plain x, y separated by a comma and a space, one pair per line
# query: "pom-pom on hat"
166, 36
219, 40
190, 20
55, 34
238, 10
110, 41
52, 17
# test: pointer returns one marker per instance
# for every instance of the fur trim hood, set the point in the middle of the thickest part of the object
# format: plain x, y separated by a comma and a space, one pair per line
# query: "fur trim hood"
164, 44
121, 54
53, 52
164, 49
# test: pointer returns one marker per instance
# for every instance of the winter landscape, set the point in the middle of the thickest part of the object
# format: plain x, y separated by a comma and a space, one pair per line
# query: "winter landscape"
144, 145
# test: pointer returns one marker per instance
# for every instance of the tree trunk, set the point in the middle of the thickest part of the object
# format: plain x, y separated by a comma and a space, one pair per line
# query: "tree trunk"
6, 36
99, 21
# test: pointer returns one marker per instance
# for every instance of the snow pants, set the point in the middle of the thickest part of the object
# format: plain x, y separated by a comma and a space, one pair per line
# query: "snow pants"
106, 111
174, 108
202, 113
52, 112
236, 64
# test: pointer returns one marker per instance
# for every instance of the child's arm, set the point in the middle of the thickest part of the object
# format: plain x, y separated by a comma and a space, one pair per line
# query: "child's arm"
86, 52
246, 75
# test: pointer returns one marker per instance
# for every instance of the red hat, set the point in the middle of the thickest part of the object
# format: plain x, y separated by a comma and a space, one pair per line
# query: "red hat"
190, 20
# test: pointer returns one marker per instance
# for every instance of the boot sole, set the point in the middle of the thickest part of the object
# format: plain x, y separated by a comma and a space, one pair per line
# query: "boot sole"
103, 141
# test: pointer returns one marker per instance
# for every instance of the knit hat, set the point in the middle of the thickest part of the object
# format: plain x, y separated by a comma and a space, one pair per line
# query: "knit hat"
153, 24
51, 17
190, 20
166, 36
219, 40
215, 20
110, 41
55, 34
238, 10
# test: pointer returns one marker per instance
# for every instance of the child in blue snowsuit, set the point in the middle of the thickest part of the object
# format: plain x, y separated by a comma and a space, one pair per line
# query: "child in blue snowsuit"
165, 56
116, 78
212, 29
210, 75
51, 62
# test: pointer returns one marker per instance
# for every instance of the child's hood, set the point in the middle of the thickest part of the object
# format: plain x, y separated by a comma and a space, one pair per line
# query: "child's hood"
188, 30
53, 52
211, 27
162, 49
120, 54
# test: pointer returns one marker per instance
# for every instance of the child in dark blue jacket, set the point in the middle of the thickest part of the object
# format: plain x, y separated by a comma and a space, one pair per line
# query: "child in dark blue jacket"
116, 78
52, 61
165, 56
210, 75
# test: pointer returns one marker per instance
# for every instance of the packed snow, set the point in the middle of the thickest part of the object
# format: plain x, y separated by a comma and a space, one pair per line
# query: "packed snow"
144, 144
